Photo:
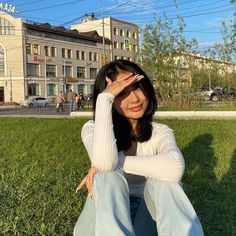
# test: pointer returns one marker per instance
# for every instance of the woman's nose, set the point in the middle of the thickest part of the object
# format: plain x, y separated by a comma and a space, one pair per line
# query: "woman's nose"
134, 96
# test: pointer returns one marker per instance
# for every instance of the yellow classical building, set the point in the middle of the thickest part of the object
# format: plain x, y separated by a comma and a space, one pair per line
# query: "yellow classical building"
40, 60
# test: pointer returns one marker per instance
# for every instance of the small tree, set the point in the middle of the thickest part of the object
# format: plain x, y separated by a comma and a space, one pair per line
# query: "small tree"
163, 54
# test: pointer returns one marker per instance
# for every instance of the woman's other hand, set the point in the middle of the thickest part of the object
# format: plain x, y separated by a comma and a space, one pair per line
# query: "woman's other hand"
88, 181
123, 80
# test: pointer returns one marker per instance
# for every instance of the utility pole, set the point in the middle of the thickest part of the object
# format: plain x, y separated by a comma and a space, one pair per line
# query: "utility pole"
209, 80
64, 72
45, 81
10, 87
103, 33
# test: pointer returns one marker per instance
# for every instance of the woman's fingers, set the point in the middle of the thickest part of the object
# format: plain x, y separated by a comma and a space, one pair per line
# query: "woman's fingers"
91, 174
82, 183
88, 181
123, 81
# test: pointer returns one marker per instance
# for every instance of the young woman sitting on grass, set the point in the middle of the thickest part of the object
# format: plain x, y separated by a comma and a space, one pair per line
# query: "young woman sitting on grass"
134, 183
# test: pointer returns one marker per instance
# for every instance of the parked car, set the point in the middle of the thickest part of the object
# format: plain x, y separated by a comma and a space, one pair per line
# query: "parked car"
229, 92
213, 94
35, 102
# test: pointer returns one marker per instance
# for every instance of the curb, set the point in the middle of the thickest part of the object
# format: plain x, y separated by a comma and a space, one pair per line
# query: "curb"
177, 114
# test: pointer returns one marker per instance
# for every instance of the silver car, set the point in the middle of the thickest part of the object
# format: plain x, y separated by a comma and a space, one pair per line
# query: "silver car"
36, 102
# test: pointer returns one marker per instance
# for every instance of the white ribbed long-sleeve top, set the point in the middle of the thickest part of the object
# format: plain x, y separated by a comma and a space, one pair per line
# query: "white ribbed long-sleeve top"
158, 158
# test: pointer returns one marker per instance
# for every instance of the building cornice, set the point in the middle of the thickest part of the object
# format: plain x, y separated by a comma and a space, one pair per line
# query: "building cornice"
90, 36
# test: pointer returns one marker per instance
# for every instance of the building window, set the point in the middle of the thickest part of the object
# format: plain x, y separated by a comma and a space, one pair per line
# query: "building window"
129, 59
80, 72
28, 48
51, 70
135, 48
134, 35
32, 69
2, 66
81, 88
36, 49
115, 45
63, 53
51, 89
93, 73
95, 56
33, 89
126, 42
90, 56
122, 58
127, 34
6, 28
46, 49
83, 55
53, 52
67, 71
122, 46
77, 55
121, 32
115, 31
116, 57
69, 53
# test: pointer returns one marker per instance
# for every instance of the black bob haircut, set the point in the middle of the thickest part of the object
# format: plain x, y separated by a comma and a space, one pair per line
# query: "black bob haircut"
122, 128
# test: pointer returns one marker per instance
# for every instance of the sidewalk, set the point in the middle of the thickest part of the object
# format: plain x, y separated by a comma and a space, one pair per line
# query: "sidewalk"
177, 114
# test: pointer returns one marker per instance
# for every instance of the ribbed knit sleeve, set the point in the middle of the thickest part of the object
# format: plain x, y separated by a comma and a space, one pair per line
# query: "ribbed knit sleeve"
166, 165
99, 138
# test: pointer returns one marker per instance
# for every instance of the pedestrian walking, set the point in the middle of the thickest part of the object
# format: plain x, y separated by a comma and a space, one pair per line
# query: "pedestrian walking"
70, 99
60, 101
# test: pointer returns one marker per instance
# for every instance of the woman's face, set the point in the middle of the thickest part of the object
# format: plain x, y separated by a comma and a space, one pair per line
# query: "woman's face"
131, 102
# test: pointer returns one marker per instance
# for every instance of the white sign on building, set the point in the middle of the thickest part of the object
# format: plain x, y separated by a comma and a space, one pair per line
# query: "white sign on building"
8, 8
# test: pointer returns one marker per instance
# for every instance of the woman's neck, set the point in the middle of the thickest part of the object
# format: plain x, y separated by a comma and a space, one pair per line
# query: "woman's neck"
134, 125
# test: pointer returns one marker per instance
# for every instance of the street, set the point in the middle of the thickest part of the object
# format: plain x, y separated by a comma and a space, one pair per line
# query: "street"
18, 110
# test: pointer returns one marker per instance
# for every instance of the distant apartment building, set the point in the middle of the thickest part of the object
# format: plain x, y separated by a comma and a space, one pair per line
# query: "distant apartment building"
124, 36
41, 60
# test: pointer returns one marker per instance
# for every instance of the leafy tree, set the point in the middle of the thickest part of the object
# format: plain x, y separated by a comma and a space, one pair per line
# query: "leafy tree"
164, 47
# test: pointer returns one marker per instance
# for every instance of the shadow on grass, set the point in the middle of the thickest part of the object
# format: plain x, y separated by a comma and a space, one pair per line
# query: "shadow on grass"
214, 201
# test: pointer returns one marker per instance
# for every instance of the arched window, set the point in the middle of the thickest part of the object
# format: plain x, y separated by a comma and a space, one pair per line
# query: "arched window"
6, 28
2, 67
33, 89
115, 31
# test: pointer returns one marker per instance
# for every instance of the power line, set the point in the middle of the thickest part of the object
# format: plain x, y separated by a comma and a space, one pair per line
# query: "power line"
52, 6
28, 3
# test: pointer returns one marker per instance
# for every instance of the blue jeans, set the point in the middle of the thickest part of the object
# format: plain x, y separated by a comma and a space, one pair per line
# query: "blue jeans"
165, 209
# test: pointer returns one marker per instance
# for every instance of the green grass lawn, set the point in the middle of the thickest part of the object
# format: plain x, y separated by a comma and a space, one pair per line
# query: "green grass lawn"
202, 106
42, 160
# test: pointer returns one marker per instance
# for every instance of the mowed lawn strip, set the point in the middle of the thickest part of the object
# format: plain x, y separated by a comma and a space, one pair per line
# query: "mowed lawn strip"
42, 161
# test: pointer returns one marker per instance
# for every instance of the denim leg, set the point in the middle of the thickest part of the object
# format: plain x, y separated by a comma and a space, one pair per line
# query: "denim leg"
171, 209
143, 224
109, 211
85, 225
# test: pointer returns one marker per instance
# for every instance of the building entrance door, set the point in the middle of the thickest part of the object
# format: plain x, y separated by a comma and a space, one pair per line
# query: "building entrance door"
1, 94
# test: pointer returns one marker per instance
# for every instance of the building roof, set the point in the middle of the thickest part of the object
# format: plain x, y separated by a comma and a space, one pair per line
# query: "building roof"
61, 30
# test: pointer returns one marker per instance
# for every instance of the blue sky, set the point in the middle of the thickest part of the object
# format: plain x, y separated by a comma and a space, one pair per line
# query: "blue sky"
203, 18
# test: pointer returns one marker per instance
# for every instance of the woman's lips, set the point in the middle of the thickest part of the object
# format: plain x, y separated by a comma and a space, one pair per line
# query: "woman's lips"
136, 108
